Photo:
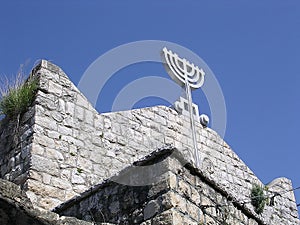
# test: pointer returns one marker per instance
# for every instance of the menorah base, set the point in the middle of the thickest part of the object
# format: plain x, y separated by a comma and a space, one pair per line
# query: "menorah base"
182, 107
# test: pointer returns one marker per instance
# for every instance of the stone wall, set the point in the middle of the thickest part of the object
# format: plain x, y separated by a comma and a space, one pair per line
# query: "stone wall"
15, 145
180, 195
66, 146
16, 209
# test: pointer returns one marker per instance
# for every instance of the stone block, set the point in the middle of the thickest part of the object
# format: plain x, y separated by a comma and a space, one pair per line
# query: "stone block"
48, 203
178, 202
54, 154
45, 190
89, 117
159, 187
77, 177
46, 178
79, 113
195, 196
47, 103
99, 170
61, 183
55, 88
151, 209
111, 137
70, 108
52, 134
86, 153
172, 179
184, 188
82, 101
46, 165
35, 175
79, 189
46, 122
65, 130
85, 164
69, 122
178, 218
165, 218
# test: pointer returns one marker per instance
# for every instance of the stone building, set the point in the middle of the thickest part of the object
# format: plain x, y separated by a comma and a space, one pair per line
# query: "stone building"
68, 164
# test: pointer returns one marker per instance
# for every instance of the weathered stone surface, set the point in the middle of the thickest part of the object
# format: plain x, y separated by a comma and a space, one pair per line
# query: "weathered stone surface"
16, 209
192, 200
43, 164
151, 209
63, 143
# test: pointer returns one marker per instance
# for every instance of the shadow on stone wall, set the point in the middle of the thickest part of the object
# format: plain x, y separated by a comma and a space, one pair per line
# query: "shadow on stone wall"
15, 143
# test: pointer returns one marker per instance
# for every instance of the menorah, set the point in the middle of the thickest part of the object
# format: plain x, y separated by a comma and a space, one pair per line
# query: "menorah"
187, 75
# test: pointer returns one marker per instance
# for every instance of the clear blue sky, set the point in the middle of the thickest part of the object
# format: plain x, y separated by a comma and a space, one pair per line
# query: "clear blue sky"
253, 48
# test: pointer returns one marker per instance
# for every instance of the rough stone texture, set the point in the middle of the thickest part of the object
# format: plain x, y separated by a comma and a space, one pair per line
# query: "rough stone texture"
63, 146
16, 209
15, 146
180, 194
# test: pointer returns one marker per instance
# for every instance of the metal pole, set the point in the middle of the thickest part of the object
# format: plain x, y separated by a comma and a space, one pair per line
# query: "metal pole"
192, 121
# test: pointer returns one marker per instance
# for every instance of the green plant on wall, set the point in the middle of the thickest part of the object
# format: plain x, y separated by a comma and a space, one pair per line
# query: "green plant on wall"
79, 170
258, 198
17, 96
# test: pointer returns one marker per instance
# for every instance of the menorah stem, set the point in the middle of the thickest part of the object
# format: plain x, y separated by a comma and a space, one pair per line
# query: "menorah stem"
186, 74
192, 121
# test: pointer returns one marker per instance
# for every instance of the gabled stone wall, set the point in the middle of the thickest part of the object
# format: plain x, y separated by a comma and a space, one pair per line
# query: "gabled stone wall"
65, 146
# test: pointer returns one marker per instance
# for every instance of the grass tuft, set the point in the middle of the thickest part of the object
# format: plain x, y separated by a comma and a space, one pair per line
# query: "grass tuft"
17, 95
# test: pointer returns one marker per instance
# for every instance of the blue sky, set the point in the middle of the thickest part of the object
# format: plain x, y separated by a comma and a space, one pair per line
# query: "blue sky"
253, 48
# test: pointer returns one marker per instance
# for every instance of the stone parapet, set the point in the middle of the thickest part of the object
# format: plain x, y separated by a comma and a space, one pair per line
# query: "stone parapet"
16, 209
180, 194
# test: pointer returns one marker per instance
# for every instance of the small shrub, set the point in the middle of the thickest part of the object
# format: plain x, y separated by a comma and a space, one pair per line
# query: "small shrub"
17, 96
79, 170
258, 198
